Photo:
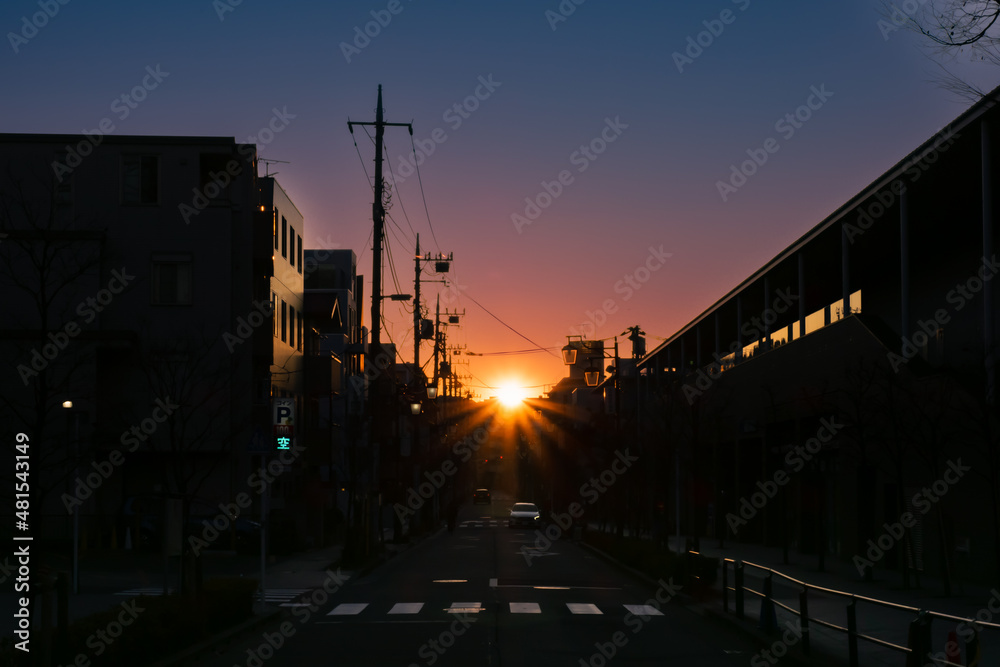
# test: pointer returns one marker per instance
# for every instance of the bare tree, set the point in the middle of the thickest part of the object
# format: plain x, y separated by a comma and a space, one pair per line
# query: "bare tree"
955, 30
49, 259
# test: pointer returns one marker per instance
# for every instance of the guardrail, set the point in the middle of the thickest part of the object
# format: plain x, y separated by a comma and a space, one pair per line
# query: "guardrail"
919, 630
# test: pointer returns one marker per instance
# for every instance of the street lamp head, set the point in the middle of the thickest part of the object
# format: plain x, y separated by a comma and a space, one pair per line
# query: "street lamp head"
592, 376
67, 404
415, 407
432, 391
569, 355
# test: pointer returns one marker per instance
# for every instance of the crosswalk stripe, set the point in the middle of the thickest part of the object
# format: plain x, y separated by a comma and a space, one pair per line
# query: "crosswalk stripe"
583, 608
643, 610
414, 608
145, 591
348, 609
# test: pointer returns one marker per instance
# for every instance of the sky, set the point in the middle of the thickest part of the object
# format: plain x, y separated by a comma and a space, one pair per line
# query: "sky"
577, 158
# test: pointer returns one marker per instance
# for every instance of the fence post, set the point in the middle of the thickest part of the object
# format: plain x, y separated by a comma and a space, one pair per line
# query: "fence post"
919, 641
725, 586
738, 585
804, 618
972, 649
852, 631
768, 621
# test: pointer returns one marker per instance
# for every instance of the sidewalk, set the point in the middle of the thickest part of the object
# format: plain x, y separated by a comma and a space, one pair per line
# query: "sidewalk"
884, 623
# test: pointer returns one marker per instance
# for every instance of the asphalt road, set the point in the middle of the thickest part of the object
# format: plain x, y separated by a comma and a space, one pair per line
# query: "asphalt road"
490, 595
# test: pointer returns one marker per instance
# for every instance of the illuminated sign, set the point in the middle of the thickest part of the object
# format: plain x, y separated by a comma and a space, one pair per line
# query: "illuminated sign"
284, 418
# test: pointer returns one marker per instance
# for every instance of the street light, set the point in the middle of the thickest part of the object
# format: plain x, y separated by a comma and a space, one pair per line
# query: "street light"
74, 417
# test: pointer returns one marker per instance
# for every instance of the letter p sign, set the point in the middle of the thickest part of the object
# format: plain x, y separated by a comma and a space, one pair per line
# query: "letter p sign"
284, 420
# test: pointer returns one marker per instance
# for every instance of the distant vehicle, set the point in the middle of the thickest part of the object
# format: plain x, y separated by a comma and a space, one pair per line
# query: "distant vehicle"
481, 496
524, 514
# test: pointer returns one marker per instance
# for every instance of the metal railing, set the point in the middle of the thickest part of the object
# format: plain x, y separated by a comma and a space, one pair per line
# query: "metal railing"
919, 630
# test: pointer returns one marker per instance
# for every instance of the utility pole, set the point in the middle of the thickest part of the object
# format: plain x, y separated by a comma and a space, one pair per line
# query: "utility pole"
441, 265
378, 398
378, 218
416, 309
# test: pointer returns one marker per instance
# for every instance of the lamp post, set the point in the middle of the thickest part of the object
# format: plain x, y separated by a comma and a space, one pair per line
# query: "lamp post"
74, 416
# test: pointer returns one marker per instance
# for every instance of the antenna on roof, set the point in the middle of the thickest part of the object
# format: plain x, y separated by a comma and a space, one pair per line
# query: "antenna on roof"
267, 162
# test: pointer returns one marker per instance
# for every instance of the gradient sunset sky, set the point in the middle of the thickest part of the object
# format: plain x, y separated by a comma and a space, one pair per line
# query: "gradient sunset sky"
641, 226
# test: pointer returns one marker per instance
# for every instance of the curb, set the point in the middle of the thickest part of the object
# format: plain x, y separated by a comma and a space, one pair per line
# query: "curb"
196, 650
252, 624
763, 640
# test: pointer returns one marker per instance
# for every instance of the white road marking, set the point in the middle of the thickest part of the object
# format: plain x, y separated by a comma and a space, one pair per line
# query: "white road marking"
525, 608
406, 608
643, 610
465, 608
583, 608
348, 609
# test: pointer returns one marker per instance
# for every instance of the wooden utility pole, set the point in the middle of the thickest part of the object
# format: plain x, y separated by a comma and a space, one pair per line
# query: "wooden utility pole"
378, 218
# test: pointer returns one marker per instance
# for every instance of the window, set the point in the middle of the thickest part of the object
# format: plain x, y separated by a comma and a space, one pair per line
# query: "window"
284, 237
300, 332
291, 255
284, 335
275, 229
291, 326
140, 179
300, 254
171, 280
274, 313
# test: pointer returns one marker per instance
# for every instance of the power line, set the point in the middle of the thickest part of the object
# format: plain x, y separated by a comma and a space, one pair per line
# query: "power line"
510, 327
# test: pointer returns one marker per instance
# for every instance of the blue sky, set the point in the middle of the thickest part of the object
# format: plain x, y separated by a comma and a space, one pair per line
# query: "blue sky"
555, 86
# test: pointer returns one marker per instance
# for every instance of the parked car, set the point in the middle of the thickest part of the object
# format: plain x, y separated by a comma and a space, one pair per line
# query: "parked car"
524, 514
481, 496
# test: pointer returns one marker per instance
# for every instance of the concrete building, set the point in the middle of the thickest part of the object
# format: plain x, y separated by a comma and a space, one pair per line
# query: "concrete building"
831, 394
141, 274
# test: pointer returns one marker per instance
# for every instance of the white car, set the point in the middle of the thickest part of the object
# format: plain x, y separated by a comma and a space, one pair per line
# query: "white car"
523, 514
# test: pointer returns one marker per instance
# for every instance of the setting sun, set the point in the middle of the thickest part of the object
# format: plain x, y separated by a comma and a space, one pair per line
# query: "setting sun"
510, 395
